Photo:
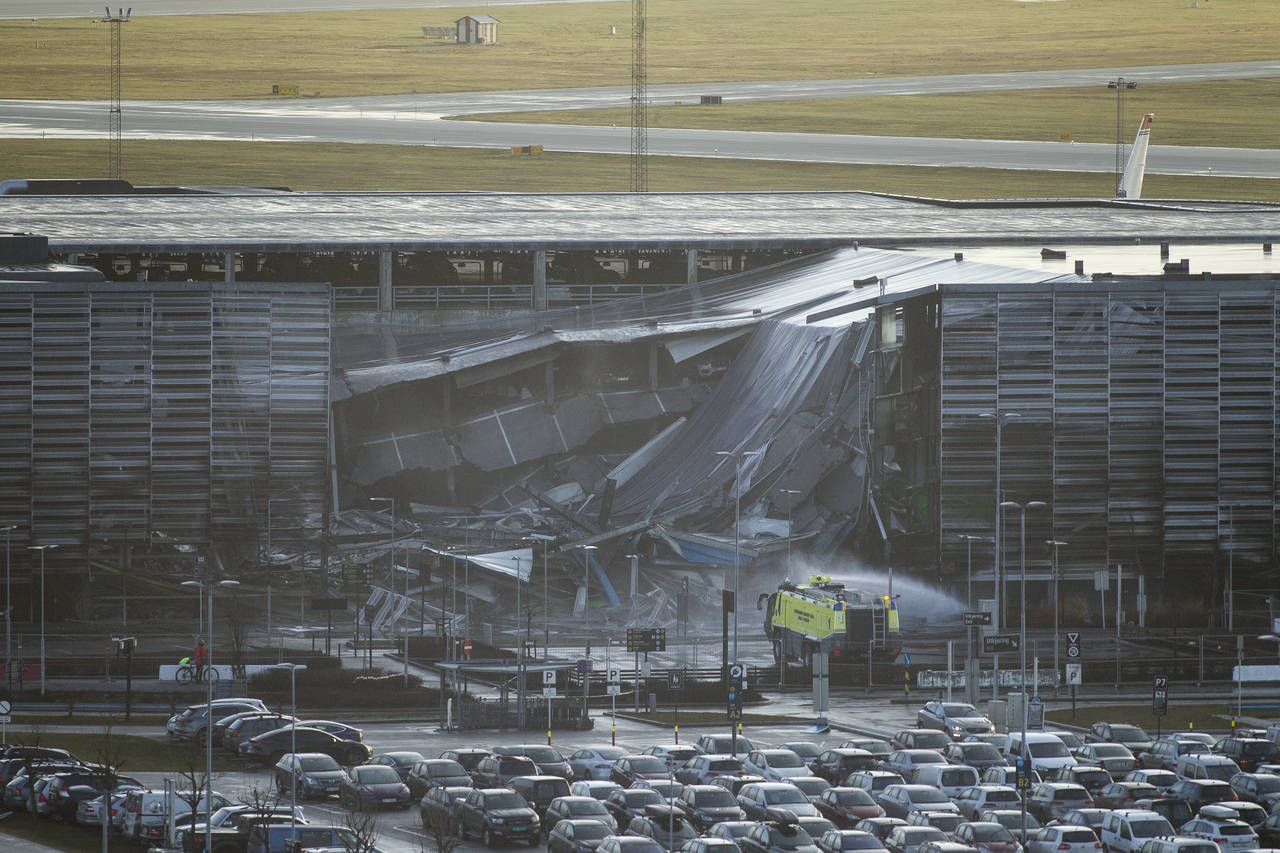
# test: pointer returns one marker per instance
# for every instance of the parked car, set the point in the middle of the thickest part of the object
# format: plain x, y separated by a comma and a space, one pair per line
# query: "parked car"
1092, 779
724, 745
907, 839
1248, 753
1047, 752
467, 756
957, 719
539, 791
702, 768
373, 785
846, 841
835, 765
268, 748
575, 808
972, 802
1051, 800
731, 830
776, 765
1178, 844
1251, 813
1127, 735
880, 827
629, 844
191, 723
873, 781
403, 762
979, 756
878, 748
920, 739
1090, 819
1161, 780
1165, 752
594, 762
1231, 836
271, 838
707, 805
250, 726
1206, 765
733, 784
901, 800
950, 779
990, 837
812, 786
549, 760
577, 836
629, 768
598, 788
780, 833
1124, 830
335, 728
1177, 812
673, 755
1201, 792
905, 761
946, 821
1269, 832
758, 797
1263, 789
807, 750
846, 806
1124, 795
1115, 758
497, 814
704, 844
437, 808
665, 825
1062, 838
435, 773
627, 803
495, 771
1010, 819
314, 773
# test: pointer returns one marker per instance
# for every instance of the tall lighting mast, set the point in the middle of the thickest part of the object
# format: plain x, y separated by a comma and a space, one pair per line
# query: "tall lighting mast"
639, 98
116, 21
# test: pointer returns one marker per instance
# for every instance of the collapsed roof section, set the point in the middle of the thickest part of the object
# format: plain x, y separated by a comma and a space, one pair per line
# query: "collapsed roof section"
648, 426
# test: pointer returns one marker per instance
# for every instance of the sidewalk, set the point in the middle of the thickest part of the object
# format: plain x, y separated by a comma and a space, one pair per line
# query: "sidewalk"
13, 844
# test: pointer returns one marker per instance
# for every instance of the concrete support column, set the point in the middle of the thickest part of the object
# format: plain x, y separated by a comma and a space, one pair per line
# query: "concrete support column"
690, 266
386, 298
540, 280
228, 267
653, 365
550, 381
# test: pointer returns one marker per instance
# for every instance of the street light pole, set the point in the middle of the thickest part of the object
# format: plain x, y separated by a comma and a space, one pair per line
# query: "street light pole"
737, 532
1055, 544
586, 598
1120, 84
8, 601
41, 549
790, 493
293, 744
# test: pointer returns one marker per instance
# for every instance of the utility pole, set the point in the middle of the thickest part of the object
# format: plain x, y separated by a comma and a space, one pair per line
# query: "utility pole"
120, 18
1120, 84
639, 98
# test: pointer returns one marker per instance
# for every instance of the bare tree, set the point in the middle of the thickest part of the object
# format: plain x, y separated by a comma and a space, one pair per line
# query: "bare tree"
442, 834
363, 827
29, 761
191, 771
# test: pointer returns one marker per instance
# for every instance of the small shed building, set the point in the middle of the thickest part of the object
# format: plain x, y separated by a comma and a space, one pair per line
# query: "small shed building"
477, 29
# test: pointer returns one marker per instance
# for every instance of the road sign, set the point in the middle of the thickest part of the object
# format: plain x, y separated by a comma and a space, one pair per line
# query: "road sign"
1035, 713
675, 681
996, 643
6, 719
1160, 696
906, 658
466, 649
612, 689
1073, 674
549, 677
646, 639
735, 712
549, 692
976, 617
615, 675
737, 672
584, 666
1073, 644
5, 706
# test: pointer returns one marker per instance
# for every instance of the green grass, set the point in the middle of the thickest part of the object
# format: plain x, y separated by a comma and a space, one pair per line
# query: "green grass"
1213, 113
131, 753
1211, 717
73, 839
375, 52
316, 166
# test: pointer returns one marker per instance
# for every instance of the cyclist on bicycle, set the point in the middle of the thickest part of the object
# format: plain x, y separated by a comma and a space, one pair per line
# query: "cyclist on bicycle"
199, 658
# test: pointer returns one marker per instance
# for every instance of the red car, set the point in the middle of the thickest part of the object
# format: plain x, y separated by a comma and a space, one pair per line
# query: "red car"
846, 806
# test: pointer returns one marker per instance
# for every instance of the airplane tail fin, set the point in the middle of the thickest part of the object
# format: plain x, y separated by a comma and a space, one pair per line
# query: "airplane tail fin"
1136, 167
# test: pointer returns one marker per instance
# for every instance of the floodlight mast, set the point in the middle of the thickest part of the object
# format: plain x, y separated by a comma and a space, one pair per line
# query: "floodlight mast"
115, 111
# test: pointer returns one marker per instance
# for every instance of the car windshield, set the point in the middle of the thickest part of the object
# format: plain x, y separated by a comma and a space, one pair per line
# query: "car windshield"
1110, 750
997, 797
377, 775
1268, 784
1221, 772
648, 764
544, 754
959, 709
996, 832
959, 776
1071, 794
783, 758
782, 796
445, 767
638, 797
1078, 836
504, 801
932, 740
715, 799
587, 807
591, 830
515, 765
980, 752
1235, 829
725, 765
313, 763
1151, 827
1128, 734
928, 795
790, 838
1260, 748
1049, 749
860, 842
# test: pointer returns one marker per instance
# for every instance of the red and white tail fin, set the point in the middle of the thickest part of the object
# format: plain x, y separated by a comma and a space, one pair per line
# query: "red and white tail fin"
1136, 167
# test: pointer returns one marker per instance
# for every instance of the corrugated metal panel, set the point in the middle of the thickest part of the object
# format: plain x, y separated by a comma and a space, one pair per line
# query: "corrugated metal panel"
1191, 341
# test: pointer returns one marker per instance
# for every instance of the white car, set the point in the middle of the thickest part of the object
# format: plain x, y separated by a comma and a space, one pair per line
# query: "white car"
1061, 837
1231, 836
1162, 780
776, 765
957, 719
701, 769
595, 762
1125, 830
596, 788
975, 800
674, 755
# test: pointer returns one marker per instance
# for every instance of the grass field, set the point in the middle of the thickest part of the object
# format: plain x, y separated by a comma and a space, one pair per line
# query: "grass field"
376, 52
1215, 114
131, 753
316, 166
1199, 717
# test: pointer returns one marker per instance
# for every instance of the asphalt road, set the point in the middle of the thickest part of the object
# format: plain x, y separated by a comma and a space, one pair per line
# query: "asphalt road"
419, 120
85, 9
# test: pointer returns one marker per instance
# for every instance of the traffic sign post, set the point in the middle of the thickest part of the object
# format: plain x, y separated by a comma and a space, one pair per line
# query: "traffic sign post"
675, 684
613, 689
737, 683
646, 639
466, 649
1160, 700
1073, 645
976, 617
998, 643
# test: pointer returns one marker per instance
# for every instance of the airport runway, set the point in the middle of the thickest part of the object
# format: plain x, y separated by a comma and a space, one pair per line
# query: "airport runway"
421, 120
14, 9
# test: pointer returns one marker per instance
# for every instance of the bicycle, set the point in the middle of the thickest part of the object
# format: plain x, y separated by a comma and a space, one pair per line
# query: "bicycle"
187, 673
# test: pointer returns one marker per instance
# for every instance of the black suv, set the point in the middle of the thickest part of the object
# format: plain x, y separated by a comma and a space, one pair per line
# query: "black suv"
497, 814
707, 805
665, 825
1248, 752
494, 771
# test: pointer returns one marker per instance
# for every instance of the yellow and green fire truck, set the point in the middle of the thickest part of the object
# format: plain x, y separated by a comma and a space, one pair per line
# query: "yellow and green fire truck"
822, 616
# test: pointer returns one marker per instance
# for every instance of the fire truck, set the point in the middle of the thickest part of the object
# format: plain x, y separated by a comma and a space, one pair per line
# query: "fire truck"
822, 616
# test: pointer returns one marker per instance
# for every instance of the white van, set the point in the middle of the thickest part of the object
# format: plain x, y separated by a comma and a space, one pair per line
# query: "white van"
950, 779
1206, 765
1125, 830
1047, 751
